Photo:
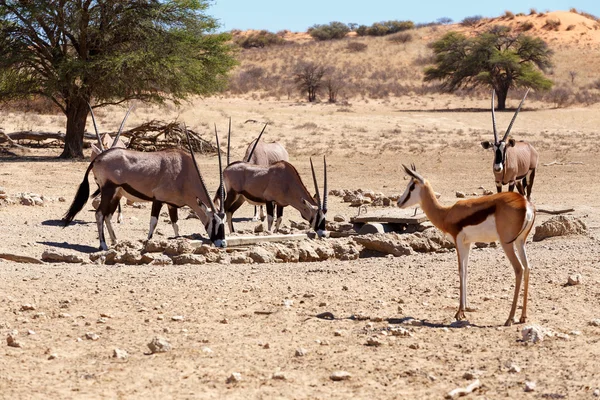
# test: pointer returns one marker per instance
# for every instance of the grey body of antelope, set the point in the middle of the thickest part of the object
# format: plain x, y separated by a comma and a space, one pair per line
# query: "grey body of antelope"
514, 162
264, 154
168, 176
507, 217
278, 184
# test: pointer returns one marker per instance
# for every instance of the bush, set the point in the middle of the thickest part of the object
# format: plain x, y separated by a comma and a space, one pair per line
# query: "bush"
509, 15
333, 30
560, 96
260, 39
527, 25
552, 24
444, 21
471, 21
362, 30
570, 27
356, 47
400, 38
384, 28
532, 11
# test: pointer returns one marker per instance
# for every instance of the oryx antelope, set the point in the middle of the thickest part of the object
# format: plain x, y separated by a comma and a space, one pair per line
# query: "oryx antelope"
106, 142
514, 162
276, 184
507, 217
168, 176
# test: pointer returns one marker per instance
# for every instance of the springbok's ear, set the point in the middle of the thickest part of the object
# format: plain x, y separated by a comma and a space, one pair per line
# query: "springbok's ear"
486, 145
511, 142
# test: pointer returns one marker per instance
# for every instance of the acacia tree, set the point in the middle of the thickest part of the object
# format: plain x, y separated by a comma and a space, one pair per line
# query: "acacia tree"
111, 51
308, 77
495, 58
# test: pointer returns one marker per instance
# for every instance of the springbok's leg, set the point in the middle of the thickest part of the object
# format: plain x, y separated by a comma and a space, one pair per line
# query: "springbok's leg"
462, 250
255, 217
520, 245
499, 187
279, 217
174, 218
154, 214
530, 186
270, 213
509, 249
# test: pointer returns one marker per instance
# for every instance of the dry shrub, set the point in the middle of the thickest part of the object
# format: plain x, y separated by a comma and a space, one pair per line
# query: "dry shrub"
552, 24
36, 104
509, 15
259, 40
527, 25
471, 21
571, 27
424, 59
532, 11
400, 38
356, 47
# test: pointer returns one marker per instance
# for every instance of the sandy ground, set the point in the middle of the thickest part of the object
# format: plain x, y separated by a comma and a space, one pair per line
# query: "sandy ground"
365, 145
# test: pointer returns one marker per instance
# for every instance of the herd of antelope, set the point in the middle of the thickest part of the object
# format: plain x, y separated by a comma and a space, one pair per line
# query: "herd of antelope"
265, 177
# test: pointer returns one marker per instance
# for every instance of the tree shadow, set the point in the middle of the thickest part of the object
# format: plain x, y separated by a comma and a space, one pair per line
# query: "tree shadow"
77, 247
461, 110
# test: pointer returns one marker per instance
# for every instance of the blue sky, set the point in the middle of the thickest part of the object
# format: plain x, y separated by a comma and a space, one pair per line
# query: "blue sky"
298, 15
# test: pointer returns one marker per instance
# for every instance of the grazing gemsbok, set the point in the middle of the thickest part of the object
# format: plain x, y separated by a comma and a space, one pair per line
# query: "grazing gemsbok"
514, 162
106, 142
507, 217
168, 176
276, 184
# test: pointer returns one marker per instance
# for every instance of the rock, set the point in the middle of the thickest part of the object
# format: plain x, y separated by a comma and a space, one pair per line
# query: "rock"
240, 258
487, 192
91, 336
157, 259
26, 200
2, 190
514, 368
235, 377
11, 340
128, 257
340, 376
261, 255
62, 199
178, 247
287, 253
533, 333
385, 243
53, 255
259, 228
306, 252
596, 393
530, 386
177, 318
339, 218
301, 352
399, 331
194, 259
460, 195
28, 307
595, 322
155, 245
472, 374
120, 354
302, 225
374, 341
324, 252
559, 225
53, 356
159, 345
574, 280
346, 251
279, 376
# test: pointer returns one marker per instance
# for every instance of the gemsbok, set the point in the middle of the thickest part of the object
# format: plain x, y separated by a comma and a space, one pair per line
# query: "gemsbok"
514, 162
276, 184
168, 176
507, 217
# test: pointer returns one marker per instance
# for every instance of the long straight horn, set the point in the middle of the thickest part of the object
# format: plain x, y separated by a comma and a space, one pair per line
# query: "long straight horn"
96, 129
114, 143
221, 188
515, 116
187, 135
229, 143
255, 143
494, 117
325, 185
315, 181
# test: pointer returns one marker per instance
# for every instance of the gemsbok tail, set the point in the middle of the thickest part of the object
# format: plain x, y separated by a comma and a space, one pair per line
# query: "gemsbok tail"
80, 198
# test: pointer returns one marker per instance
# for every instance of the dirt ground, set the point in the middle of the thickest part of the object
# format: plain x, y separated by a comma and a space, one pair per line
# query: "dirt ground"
253, 318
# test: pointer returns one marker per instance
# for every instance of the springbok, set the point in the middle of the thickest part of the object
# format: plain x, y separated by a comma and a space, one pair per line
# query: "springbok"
106, 142
514, 162
507, 217
276, 184
168, 176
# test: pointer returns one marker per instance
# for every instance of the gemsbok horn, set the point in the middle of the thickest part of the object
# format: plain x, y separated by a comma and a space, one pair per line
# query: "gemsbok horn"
507, 217
514, 162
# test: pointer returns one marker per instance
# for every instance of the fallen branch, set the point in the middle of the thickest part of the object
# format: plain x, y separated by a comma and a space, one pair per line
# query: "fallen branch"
459, 392
563, 163
554, 212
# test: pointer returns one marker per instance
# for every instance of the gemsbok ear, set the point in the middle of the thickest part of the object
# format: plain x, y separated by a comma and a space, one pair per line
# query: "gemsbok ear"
486, 145
511, 142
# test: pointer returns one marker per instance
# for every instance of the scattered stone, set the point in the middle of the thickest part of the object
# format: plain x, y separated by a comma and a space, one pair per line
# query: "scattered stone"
120, 354
64, 315
374, 341
207, 350
472, 374
399, 331
459, 392
259, 228
177, 318
574, 280
596, 393
340, 376
101, 320
339, 218
61, 199
235, 377
155, 245
54, 255
261, 255
514, 368
301, 352
595, 322
460, 195
28, 307
53, 356
159, 345
279, 376
224, 321
91, 336
338, 333
178, 247
11, 340
533, 333
30, 332
530, 386
559, 225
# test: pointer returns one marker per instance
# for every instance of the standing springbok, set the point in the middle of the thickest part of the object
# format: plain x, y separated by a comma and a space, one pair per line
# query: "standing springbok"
106, 142
276, 184
168, 176
514, 162
507, 217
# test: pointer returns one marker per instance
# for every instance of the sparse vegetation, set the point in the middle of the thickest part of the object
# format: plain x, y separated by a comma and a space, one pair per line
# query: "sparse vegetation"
384, 28
333, 30
259, 40
400, 38
527, 25
308, 77
356, 47
552, 24
471, 21
444, 21
509, 15
532, 11
571, 27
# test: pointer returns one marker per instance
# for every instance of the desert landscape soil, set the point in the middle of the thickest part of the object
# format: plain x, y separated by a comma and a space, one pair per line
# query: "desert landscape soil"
259, 320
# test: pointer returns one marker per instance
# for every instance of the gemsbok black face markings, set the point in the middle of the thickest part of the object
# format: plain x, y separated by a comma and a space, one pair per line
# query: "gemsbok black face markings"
514, 162
167, 177
506, 217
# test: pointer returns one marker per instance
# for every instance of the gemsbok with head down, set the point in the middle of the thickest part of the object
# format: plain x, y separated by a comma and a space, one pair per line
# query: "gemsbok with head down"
168, 176
507, 217
514, 162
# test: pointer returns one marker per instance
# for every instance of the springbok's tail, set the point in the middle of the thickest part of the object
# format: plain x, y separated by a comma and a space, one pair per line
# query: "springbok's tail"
80, 198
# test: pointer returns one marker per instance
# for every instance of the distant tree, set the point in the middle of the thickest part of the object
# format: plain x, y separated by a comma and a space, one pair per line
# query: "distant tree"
333, 30
259, 39
496, 59
111, 51
333, 82
444, 21
308, 77
352, 26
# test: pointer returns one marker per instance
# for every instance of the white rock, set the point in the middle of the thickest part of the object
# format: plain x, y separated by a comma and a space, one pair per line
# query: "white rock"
235, 377
533, 333
340, 376
279, 375
595, 322
159, 345
120, 354
91, 336
399, 331
53, 356
530, 386
597, 393
574, 280
177, 318
514, 368
207, 350
301, 352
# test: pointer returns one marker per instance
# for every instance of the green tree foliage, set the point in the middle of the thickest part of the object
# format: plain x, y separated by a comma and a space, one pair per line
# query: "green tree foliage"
333, 30
110, 51
260, 39
384, 28
496, 59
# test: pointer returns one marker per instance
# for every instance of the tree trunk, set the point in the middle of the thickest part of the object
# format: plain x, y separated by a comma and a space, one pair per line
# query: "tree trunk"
502, 93
77, 112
